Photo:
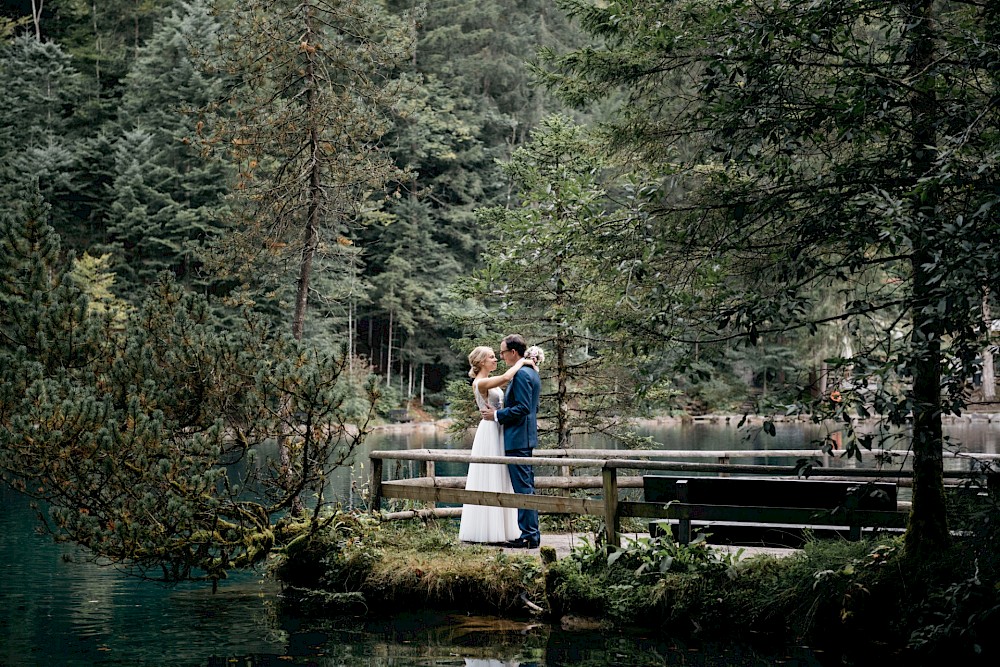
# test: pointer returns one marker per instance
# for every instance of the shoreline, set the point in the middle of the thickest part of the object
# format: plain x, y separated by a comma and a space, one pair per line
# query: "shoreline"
721, 419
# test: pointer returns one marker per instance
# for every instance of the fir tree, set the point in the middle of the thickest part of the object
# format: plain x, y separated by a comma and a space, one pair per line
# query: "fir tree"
166, 196
543, 278
41, 88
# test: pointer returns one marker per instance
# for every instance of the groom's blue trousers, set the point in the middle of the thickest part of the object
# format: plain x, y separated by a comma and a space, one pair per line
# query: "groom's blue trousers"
522, 478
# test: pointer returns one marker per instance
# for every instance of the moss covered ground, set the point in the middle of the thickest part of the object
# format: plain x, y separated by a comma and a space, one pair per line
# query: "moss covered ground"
842, 596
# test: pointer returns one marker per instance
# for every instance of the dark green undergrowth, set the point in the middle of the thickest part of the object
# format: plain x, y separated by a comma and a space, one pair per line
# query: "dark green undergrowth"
842, 596
834, 594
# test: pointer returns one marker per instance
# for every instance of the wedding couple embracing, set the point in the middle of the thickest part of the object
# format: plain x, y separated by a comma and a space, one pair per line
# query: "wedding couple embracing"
509, 427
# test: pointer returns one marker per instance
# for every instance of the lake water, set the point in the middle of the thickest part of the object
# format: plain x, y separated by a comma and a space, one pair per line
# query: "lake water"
56, 608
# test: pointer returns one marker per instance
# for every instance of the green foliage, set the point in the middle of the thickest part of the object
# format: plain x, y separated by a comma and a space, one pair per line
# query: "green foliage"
655, 556
165, 197
41, 88
154, 444
104, 36
543, 280
836, 595
103, 109
313, 83
8, 26
821, 166
45, 324
93, 278
962, 616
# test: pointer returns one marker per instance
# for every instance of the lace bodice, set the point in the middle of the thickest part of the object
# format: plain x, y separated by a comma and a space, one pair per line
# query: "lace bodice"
495, 397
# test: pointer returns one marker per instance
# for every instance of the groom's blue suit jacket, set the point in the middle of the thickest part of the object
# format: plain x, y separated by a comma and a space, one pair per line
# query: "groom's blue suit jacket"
519, 414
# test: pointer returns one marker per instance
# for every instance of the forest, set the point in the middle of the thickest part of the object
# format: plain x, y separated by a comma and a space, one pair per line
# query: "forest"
226, 224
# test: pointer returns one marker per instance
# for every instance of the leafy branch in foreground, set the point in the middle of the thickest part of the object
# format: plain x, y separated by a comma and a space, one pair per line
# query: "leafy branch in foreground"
155, 446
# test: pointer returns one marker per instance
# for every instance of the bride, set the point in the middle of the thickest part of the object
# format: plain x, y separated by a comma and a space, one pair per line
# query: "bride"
481, 523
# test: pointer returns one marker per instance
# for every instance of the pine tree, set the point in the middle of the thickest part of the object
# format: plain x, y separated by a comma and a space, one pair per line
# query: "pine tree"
149, 441
45, 321
542, 277
315, 83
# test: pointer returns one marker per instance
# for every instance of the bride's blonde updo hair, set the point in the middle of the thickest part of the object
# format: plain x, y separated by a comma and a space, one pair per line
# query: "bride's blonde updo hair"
476, 359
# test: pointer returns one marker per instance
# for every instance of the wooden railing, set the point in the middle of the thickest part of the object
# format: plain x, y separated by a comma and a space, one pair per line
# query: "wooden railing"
433, 489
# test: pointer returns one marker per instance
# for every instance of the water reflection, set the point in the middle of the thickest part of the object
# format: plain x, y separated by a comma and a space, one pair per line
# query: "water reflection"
412, 639
58, 609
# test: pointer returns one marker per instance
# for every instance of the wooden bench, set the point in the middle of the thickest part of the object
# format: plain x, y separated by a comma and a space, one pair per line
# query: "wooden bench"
771, 511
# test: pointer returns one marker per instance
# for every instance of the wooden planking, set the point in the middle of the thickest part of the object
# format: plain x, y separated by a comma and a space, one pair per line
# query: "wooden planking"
540, 482
770, 492
548, 504
724, 453
751, 514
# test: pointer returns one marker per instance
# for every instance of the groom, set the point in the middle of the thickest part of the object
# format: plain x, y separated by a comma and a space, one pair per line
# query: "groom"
520, 433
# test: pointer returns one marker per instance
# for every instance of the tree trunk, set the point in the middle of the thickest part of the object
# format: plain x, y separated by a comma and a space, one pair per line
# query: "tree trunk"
989, 377
350, 337
36, 16
388, 362
562, 392
310, 240
563, 425
97, 49
927, 532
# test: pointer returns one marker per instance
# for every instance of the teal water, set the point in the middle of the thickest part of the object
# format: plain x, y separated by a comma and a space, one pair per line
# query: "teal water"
58, 608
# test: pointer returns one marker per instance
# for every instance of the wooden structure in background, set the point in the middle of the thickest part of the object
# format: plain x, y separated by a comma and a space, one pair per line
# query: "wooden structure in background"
433, 489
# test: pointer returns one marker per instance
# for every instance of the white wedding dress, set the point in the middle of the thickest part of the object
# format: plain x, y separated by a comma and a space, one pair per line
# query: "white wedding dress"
480, 523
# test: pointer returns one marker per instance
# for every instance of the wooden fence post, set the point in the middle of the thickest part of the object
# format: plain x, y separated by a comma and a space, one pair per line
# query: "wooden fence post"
723, 460
430, 473
854, 533
611, 518
375, 486
683, 525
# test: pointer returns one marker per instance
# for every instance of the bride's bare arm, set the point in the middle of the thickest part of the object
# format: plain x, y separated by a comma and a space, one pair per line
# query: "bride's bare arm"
485, 384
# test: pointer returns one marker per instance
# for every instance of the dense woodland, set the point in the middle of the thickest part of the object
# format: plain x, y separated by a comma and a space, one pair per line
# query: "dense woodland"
127, 114
233, 223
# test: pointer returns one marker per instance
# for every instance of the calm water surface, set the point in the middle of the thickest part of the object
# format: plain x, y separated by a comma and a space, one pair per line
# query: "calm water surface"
56, 608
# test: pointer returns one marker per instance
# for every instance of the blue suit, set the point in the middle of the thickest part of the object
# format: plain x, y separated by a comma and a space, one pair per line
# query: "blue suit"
519, 418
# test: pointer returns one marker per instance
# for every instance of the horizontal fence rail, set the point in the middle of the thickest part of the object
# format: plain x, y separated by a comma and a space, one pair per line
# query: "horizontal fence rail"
434, 489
